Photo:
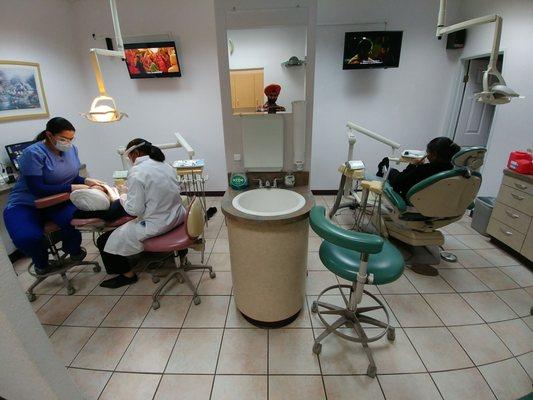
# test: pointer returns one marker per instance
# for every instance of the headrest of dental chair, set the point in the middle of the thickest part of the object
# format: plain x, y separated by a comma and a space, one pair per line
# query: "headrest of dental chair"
90, 200
469, 157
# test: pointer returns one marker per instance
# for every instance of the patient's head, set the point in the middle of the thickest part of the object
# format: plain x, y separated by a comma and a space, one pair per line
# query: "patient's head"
141, 147
441, 149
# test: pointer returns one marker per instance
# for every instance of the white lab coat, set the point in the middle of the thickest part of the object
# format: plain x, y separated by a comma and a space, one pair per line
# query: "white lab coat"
154, 197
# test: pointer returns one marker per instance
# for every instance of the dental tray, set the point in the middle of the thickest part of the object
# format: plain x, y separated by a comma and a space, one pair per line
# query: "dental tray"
413, 154
189, 163
120, 174
355, 164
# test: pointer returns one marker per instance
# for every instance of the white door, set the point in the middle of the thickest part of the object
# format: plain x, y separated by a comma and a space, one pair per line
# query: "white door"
475, 118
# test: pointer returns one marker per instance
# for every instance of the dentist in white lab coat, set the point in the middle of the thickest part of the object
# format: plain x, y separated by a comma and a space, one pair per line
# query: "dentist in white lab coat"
153, 197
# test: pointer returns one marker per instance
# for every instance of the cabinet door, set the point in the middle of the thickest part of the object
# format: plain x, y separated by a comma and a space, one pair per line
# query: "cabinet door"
258, 88
244, 90
232, 87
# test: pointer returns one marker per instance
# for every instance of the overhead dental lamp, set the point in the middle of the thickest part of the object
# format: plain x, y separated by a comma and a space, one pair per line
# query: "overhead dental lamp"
498, 92
103, 107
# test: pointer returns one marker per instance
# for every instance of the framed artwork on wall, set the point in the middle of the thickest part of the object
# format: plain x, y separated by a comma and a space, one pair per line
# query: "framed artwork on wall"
21, 91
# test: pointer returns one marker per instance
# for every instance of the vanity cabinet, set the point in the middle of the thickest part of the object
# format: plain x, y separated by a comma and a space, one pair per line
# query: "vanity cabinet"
246, 89
511, 221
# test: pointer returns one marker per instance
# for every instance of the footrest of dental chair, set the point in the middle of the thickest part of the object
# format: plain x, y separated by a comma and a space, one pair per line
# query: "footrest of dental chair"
415, 238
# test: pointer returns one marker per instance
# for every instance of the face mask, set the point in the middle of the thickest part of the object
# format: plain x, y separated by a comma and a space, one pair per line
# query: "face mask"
63, 145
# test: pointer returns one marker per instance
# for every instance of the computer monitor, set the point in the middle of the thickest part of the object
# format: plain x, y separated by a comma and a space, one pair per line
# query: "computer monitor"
14, 151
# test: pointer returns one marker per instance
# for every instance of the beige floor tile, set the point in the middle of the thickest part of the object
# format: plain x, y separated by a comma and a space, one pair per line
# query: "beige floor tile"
475, 242
212, 231
210, 313
184, 387
507, 379
104, 349
448, 265
130, 386
518, 299
243, 351
498, 257
314, 243
528, 321
463, 280
90, 383
57, 309
428, 284
40, 301
452, 309
128, 312
91, 311
221, 246
494, 278
458, 228
296, 388
144, 286
221, 285
84, 283
223, 234
209, 243
236, 387
303, 320
175, 288
195, 352
90, 247
290, 352
347, 387
489, 306
235, 318
452, 243
481, 343
49, 329
314, 263
68, 341
462, 385
21, 264
526, 361
170, 314
471, 259
149, 351
102, 291
50, 286
318, 281
409, 387
411, 310
515, 334
220, 261
438, 349
399, 286
520, 274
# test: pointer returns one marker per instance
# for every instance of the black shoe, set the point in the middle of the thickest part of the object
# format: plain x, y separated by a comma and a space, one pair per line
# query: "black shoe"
210, 212
80, 256
383, 164
53, 266
118, 281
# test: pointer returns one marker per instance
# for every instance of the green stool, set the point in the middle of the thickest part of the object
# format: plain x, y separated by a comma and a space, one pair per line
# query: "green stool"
362, 259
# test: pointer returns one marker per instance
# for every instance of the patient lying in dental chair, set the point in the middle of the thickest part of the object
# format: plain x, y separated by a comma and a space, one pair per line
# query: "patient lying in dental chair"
101, 202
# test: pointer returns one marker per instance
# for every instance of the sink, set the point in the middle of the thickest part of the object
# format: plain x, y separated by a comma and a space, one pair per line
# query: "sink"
268, 202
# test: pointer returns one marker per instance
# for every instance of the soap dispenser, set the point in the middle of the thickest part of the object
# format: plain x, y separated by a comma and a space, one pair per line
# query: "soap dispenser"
289, 180
238, 181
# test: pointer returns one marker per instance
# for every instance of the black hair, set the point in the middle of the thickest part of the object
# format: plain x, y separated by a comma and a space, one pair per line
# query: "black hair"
147, 149
444, 148
55, 126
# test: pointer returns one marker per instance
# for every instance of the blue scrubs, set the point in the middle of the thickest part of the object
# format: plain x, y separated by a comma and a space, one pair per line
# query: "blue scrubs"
23, 220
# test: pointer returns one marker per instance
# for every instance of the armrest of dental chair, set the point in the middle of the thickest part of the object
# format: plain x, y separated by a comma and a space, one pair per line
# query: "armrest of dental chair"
361, 242
49, 201
394, 197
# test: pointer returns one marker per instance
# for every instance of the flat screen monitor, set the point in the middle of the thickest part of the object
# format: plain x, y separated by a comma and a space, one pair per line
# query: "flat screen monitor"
152, 60
375, 49
14, 151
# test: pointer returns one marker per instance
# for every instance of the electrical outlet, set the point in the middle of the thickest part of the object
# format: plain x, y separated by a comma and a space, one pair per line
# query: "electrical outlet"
236, 157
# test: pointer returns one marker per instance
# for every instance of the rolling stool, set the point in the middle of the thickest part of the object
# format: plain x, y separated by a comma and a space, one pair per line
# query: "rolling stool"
360, 258
64, 263
173, 243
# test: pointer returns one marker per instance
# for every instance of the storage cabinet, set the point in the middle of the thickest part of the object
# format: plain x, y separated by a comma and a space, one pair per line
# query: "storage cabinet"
511, 221
246, 89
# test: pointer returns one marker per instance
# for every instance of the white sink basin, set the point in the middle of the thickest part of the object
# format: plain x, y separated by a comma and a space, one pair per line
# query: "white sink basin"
268, 202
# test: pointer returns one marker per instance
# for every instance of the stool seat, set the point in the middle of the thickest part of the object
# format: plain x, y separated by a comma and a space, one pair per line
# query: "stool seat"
51, 227
79, 222
386, 266
176, 239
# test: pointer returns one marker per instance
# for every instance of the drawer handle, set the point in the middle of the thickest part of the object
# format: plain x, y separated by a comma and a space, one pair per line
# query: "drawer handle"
508, 233
517, 197
512, 215
520, 186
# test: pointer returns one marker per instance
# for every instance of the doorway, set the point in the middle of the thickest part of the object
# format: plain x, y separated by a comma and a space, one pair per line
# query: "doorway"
474, 119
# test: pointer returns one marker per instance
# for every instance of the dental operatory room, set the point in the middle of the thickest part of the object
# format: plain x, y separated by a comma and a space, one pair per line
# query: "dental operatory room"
266, 200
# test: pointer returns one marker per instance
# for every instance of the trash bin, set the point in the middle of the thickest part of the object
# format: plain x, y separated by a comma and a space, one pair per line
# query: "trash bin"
482, 210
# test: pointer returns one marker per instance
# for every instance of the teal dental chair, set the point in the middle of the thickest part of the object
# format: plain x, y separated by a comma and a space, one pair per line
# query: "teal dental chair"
360, 258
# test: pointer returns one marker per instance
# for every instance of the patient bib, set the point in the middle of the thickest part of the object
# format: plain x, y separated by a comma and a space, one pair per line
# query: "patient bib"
90, 200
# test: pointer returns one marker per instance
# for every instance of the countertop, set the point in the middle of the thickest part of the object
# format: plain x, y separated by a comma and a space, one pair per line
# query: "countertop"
231, 212
522, 177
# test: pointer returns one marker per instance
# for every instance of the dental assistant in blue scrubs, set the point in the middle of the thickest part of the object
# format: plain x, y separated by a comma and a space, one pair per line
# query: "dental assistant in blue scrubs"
49, 166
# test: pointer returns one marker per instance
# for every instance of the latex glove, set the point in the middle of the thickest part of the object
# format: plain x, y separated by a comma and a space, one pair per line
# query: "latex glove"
77, 187
94, 182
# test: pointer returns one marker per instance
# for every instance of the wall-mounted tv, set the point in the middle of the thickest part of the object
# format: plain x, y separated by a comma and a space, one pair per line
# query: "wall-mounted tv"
152, 60
375, 49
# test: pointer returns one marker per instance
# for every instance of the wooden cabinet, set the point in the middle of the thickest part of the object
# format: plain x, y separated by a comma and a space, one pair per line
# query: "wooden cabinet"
246, 89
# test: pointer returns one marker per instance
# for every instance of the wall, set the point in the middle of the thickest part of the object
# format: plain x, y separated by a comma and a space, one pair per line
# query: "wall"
267, 48
511, 127
407, 104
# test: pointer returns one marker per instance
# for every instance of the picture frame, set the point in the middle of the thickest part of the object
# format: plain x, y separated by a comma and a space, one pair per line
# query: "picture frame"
21, 91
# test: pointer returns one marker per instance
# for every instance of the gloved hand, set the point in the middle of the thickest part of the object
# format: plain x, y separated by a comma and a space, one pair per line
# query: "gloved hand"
94, 182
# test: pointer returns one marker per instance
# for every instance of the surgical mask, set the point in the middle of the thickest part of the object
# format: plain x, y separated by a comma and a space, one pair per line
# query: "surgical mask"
63, 145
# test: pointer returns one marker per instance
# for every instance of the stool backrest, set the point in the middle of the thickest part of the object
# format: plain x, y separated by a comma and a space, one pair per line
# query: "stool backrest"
195, 218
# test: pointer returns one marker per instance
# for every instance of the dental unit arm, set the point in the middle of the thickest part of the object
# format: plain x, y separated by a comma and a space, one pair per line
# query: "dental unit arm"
498, 92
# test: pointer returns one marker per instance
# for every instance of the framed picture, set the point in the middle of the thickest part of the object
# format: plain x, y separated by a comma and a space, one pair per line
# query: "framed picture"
21, 91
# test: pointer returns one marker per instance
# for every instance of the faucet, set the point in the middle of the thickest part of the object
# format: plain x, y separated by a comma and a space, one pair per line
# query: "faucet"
267, 184
260, 183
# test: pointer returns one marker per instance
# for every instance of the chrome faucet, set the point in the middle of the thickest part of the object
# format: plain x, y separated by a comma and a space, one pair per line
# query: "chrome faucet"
260, 183
267, 184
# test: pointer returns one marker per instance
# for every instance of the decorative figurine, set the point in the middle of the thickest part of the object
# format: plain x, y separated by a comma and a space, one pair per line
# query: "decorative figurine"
272, 92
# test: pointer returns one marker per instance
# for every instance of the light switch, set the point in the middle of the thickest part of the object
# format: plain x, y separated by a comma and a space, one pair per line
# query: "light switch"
236, 157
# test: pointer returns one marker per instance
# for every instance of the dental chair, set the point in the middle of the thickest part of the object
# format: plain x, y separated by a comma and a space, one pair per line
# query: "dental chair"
360, 258
52, 238
433, 203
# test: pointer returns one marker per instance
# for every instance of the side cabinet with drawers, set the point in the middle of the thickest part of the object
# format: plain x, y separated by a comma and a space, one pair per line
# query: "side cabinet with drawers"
511, 220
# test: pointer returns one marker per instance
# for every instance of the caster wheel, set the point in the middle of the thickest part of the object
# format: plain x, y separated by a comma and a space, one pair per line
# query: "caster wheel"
71, 290
155, 279
372, 371
314, 307
97, 269
212, 275
391, 334
31, 297
197, 300
156, 305
180, 279
317, 348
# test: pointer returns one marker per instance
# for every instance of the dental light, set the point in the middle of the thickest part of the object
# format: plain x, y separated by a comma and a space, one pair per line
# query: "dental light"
103, 107
495, 93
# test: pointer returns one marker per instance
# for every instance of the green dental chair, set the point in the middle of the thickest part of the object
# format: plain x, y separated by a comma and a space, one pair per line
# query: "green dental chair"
360, 258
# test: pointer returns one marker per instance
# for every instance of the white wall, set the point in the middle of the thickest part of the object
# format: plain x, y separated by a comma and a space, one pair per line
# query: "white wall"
267, 48
407, 104
512, 124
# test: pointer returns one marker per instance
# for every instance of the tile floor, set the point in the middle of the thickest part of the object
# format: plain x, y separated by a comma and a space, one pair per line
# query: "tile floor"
465, 334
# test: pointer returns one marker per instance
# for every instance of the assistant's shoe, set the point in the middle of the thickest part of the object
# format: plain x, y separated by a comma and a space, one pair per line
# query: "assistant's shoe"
118, 281
210, 212
79, 257
53, 266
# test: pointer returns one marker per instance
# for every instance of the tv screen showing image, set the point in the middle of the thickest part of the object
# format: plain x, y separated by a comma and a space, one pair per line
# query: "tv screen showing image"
376, 49
152, 60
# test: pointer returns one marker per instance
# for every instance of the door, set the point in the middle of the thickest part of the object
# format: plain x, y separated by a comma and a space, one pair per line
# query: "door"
475, 119
246, 89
